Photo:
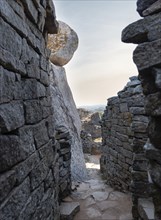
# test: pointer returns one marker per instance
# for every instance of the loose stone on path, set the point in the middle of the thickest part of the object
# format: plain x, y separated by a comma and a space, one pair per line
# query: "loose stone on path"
98, 200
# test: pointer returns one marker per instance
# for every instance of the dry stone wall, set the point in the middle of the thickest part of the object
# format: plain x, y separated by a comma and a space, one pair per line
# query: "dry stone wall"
147, 56
91, 131
66, 116
29, 153
124, 134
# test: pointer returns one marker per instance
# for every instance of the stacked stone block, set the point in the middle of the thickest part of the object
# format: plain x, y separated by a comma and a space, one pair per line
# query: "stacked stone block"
29, 161
147, 56
124, 134
64, 142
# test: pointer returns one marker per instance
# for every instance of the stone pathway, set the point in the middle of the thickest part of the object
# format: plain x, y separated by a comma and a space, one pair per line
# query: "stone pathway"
98, 200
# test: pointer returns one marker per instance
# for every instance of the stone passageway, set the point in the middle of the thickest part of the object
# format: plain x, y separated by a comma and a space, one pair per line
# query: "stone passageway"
98, 200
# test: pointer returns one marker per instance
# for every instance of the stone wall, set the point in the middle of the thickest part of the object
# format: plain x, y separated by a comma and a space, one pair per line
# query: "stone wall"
29, 158
63, 46
66, 116
124, 134
91, 131
64, 141
147, 56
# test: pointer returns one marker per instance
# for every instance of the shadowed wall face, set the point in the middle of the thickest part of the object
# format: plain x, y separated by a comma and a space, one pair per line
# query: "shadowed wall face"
124, 134
29, 167
147, 56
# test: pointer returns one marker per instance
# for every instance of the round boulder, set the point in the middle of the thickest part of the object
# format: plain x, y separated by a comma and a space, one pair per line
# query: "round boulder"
62, 45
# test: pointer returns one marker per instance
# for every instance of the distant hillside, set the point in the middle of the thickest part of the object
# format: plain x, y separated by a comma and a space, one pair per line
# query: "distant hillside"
93, 108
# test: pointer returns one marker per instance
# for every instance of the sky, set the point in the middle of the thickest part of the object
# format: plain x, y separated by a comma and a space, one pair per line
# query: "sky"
102, 64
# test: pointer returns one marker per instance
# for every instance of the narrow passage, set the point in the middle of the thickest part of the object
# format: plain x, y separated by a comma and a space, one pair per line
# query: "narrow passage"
97, 199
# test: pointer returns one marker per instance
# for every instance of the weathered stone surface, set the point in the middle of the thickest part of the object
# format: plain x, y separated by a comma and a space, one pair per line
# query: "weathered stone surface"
11, 116
63, 102
40, 137
146, 209
38, 174
147, 55
147, 33
15, 202
143, 30
144, 4
154, 131
124, 133
155, 109
11, 152
7, 182
68, 210
29, 168
31, 204
154, 8
152, 153
7, 34
93, 213
91, 131
100, 196
7, 83
62, 45
24, 168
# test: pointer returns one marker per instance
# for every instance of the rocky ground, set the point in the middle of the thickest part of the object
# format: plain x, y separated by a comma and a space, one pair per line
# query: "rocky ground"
97, 199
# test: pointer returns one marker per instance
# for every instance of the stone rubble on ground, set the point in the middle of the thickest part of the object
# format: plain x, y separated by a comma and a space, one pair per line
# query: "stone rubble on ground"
103, 203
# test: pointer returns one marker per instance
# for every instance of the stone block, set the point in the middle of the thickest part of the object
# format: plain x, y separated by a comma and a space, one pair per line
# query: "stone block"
7, 83
68, 210
43, 63
46, 152
33, 111
27, 139
143, 53
155, 108
139, 127
11, 152
40, 134
143, 5
33, 71
137, 110
47, 109
140, 189
44, 78
24, 168
67, 156
49, 181
157, 74
32, 89
122, 137
31, 11
156, 173
140, 164
11, 116
12, 18
32, 204
144, 30
7, 34
16, 201
38, 174
7, 182
154, 8
152, 153
139, 176
45, 207
146, 209
154, 129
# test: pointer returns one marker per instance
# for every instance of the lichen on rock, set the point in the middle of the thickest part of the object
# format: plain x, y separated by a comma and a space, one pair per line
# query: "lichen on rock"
62, 45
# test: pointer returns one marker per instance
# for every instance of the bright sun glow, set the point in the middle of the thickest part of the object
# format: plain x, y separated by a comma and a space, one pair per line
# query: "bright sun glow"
93, 166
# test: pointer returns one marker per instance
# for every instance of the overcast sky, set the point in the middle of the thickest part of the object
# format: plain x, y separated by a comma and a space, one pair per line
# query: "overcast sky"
102, 64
